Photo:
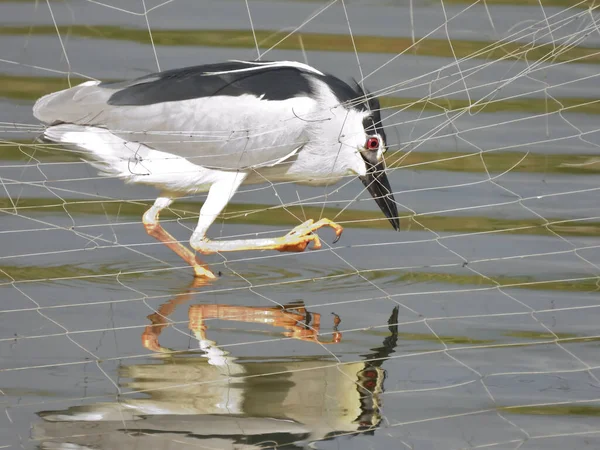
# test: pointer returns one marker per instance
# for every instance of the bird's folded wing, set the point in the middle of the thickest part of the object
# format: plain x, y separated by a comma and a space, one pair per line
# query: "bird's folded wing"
220, 131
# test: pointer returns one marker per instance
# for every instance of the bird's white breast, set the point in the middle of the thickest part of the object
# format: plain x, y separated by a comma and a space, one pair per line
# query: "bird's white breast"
335, 136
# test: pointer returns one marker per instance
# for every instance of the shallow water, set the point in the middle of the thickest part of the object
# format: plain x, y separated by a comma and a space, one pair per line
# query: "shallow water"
474, 326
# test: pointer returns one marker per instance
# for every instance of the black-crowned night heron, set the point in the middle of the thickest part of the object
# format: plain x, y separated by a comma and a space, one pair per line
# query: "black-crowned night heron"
215, 127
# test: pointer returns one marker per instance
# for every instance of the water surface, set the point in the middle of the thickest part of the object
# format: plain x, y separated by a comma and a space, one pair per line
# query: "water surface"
475, 326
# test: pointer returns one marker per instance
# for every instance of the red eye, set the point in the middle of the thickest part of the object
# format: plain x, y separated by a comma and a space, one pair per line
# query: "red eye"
372, 143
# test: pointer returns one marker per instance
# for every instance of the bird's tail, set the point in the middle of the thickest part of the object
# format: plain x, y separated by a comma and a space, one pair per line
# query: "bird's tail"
110, 154
133, 162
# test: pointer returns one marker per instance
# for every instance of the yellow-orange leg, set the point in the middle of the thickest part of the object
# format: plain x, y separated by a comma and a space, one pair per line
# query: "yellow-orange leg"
298, 239
154, 229
295, 241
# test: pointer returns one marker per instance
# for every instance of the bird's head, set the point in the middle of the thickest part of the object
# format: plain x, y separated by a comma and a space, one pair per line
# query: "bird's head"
372, 151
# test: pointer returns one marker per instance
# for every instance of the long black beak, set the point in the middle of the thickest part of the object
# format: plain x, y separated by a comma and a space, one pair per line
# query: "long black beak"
378, 185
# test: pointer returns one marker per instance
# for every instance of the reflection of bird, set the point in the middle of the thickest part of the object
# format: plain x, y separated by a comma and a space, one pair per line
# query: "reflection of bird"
217, 126
190, 403
228, 402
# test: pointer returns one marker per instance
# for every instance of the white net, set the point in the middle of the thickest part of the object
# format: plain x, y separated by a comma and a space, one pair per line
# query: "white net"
475, 326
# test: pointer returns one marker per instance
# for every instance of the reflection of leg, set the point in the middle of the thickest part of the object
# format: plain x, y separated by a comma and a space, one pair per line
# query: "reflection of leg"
154, 229
274, 316
292, 318
296, 306
216, 356
159, 318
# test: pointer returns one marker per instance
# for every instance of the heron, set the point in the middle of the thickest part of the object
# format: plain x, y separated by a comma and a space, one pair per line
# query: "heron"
214, 127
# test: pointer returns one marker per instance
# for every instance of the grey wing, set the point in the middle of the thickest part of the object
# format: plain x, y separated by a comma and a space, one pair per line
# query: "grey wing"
221, 131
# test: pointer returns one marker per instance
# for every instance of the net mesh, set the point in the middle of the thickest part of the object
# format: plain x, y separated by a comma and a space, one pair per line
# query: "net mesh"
475, 326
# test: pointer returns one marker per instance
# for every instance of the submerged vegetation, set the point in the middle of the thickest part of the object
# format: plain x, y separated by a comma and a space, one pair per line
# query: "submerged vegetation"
568, 409
278, 216
266, 39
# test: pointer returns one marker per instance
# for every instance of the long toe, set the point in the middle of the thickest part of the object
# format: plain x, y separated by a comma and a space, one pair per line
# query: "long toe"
328, 223
298, 243
302, 229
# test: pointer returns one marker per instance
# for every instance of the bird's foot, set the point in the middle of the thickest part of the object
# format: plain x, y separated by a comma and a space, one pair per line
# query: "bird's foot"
201, 270
298, 239
295, 241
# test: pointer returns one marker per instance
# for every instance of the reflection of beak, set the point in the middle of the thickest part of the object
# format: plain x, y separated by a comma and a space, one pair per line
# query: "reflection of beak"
378, 185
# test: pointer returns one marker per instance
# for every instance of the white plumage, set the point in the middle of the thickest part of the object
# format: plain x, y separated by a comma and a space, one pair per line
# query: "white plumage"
213, 127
